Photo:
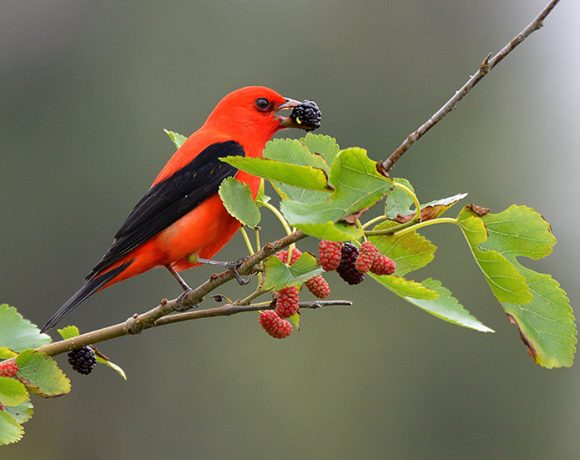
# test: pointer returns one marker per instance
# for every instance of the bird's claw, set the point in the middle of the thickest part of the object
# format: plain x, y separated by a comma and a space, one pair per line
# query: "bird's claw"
182, 297
233, 266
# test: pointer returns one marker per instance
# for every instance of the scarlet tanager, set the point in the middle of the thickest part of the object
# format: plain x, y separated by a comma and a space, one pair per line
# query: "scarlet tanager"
182, 215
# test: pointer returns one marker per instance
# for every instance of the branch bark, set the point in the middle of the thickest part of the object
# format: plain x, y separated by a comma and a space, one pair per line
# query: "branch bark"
488, 64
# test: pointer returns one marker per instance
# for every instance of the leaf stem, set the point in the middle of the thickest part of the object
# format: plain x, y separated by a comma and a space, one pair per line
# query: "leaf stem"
278, 215
413, 196
374, 221
399, 230
247, 240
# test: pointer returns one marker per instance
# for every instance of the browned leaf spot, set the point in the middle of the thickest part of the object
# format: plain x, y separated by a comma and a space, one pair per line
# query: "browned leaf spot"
479, 210
531, 350
353, 217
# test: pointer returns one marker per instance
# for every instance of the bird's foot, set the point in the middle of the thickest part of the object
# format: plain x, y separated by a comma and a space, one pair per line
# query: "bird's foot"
230, 265
179, 305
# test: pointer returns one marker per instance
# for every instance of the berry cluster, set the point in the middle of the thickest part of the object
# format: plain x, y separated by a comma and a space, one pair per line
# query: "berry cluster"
351, 263
307, 115
8, 369
82, 359
287, 300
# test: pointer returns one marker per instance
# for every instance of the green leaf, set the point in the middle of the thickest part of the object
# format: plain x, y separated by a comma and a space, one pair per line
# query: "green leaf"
410, 251
261, 196
69, 332
17, 333
447, 308
279, 275
406, 288
357, 184
504, 280
398, 203
323, 145
546, 324
176, 138
295, 320
10, 430
7, 353
294, 152
41, 375
102, 360
331, 231
21, 413
301, 176
519, 231
238, 201
12, 392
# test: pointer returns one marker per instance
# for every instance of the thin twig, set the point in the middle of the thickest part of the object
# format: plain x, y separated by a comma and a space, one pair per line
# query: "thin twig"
485, 67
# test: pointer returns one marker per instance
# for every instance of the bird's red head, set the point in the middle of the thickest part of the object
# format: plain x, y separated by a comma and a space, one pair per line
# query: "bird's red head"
251, 115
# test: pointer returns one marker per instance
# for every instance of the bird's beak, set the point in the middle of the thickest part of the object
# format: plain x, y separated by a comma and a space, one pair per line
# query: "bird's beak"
286, 121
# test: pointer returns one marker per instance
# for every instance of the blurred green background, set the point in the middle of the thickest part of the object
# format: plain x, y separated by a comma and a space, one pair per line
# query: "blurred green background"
85, 90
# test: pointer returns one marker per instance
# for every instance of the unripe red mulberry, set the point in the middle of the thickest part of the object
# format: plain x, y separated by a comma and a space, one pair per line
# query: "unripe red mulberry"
383, 265
318, 286
367, 254
347, 269
274, 325
283, 255
329, 254
287, 302
8, 369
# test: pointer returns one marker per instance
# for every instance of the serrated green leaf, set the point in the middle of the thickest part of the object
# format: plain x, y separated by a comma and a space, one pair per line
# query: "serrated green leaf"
279, 275
398, 202
357, 184
447, 307
7, 353
504, 280
410, 251
69, 332
237, 199
405, 288
323, 145
21, 413
294, 152
546, 325
176, 138
17, 333
301, 176
10, 430
41, 375
519, 231
12, 392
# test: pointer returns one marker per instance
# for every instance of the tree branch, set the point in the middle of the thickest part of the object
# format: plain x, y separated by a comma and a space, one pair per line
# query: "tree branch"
121, 329
485, 67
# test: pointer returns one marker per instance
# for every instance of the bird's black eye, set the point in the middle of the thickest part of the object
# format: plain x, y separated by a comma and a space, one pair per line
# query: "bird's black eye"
262, 103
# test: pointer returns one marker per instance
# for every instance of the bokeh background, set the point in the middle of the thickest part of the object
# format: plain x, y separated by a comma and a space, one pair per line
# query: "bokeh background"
85, 90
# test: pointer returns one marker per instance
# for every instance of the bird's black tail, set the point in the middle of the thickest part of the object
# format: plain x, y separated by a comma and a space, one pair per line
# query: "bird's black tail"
88, 289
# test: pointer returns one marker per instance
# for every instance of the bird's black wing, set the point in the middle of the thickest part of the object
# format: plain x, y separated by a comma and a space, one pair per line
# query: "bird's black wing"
169, 200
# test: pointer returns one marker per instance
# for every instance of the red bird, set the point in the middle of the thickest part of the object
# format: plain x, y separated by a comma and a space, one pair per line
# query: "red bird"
182, 214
